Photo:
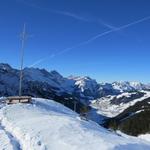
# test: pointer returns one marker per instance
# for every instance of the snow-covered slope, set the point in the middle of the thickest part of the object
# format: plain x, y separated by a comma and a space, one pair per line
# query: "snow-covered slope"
112, 106
47, 125
5, 141
145, 137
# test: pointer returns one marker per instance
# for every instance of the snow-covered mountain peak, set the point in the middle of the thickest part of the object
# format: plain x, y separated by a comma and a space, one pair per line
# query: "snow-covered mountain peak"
137, 85
4, 66
76, 78
86, 83
56, 76
52, 78
127, 86
81, 80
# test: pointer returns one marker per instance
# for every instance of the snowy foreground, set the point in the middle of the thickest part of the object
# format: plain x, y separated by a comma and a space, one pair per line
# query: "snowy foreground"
47, 125
145, 137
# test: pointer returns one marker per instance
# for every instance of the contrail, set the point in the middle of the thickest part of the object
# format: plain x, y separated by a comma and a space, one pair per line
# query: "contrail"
116, 29
106, 24
95, 37
72, 15
105, 33
65, 13
59, 12
41, 60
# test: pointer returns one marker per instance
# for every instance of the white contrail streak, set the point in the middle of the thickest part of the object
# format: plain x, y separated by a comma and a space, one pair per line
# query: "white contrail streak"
41, 60
109, 26
116, 29
59, 12
94, 38
66, 13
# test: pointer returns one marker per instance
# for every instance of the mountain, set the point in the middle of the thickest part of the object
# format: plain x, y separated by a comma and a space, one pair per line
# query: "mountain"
48, 81
128, 86
128, 112
101, 101
83, 88
41, 83
134, 120
45, 124
112, 106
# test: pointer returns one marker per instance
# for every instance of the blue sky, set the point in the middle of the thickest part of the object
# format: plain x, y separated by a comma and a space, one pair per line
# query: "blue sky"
108, 40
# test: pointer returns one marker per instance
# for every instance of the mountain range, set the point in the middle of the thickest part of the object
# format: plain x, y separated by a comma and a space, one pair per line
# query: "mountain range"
103, 102
84, 88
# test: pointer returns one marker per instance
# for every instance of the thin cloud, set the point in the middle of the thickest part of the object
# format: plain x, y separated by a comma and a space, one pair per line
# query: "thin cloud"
67, 14
95, 37
64, 13
106, 24
72, 15
41, 60
85, 19
115, 29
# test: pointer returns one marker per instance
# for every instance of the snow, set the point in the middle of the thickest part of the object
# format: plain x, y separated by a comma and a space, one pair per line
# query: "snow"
54, 79
5, 143
5, 66
123, 86
145, 137
142, 137
47, 125
139, 111
104, 106
35, 74
84, 83
126, 94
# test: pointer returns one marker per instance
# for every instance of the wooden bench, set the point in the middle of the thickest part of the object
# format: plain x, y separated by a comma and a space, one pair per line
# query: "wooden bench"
18, 99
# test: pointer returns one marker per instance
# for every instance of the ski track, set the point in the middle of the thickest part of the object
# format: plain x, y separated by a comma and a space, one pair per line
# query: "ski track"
19, 139
13, 140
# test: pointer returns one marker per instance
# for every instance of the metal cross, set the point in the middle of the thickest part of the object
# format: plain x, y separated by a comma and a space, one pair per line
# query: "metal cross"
24, 37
